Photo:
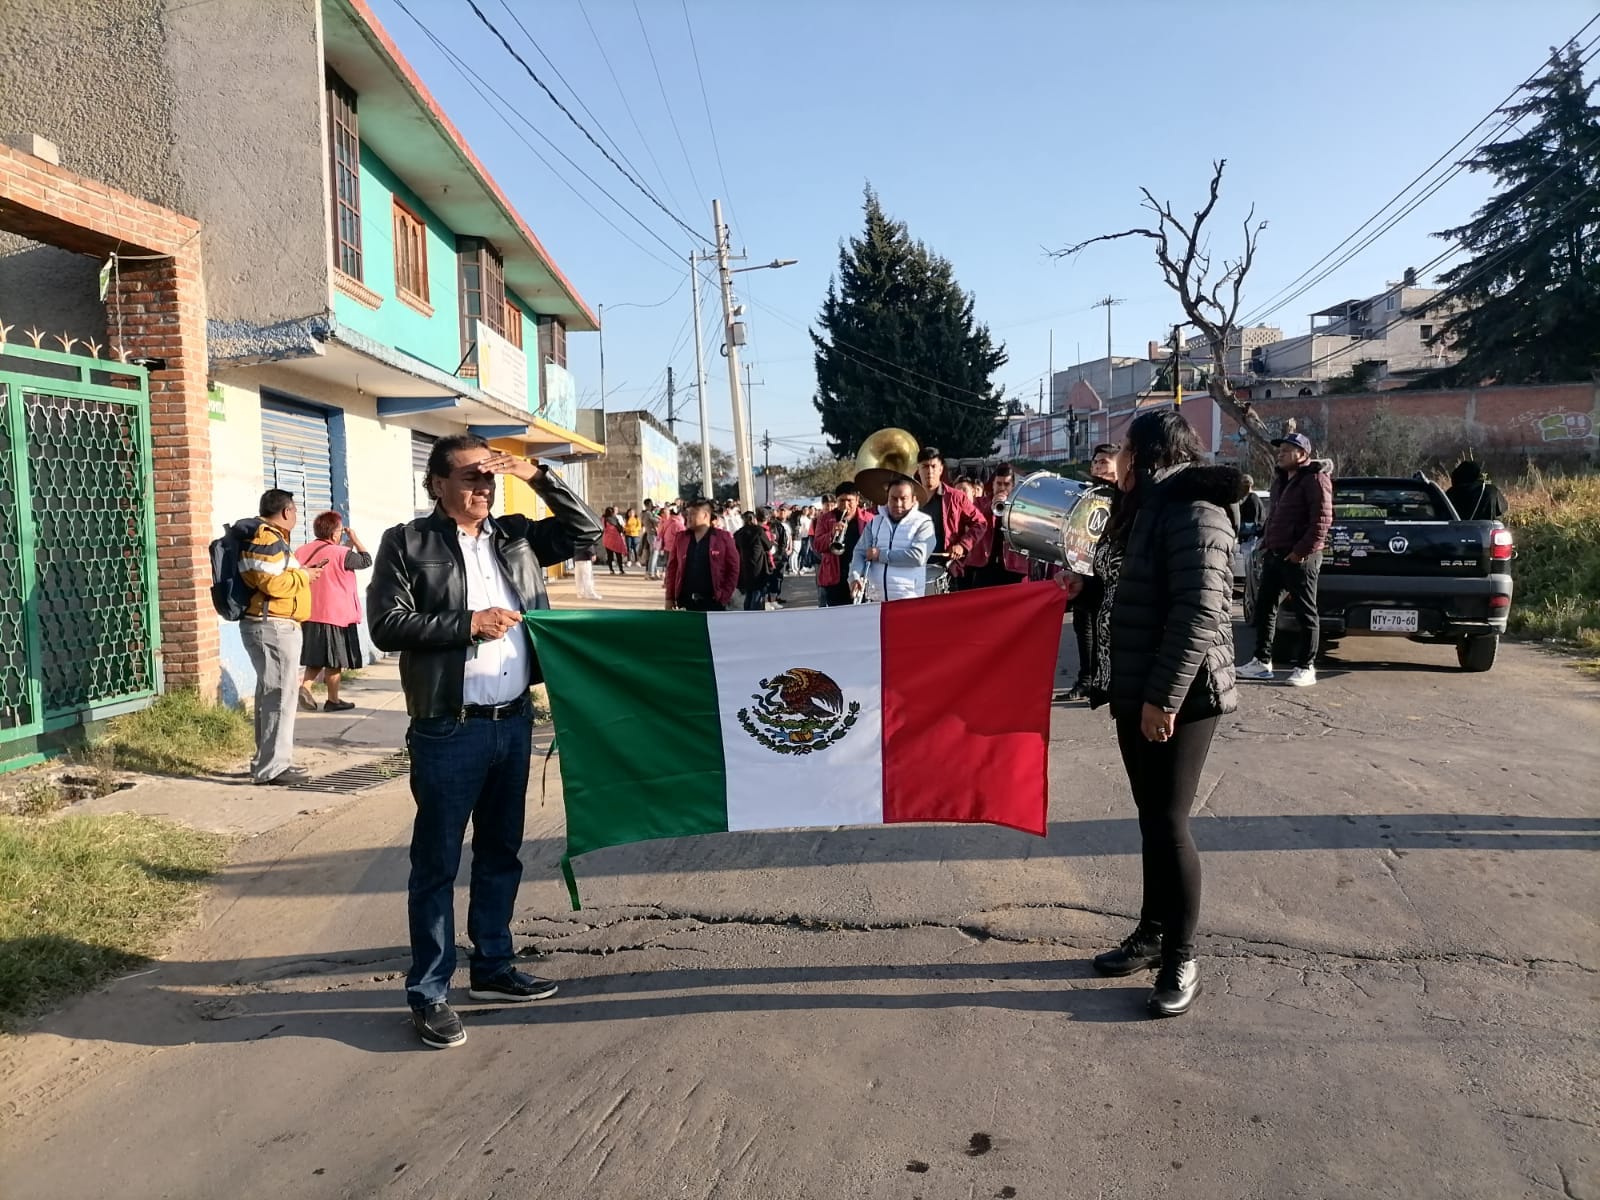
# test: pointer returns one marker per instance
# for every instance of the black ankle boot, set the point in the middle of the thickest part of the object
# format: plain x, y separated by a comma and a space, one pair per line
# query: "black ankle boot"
1177, 984
1139, 951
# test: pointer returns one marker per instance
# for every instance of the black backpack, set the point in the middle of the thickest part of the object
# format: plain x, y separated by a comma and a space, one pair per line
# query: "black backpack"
230, 594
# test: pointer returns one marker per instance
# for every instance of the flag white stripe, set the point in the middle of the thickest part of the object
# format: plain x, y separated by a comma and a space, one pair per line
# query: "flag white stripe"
839, 785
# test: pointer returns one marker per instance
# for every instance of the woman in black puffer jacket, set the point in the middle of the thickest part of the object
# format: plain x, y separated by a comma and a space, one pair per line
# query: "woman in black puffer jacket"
1164, 661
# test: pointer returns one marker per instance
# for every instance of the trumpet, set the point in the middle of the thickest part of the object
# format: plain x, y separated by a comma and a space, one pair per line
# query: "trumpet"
841, 531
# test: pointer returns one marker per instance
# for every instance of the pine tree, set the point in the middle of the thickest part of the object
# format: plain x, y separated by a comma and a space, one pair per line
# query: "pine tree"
896, 344
1529, 298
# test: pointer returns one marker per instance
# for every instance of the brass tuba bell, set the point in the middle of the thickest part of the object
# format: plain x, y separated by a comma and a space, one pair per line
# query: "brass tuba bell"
885, 458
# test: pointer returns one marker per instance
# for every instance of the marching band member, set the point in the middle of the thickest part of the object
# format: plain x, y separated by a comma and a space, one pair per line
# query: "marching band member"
995, 562
833, 541
957, 525
891, 559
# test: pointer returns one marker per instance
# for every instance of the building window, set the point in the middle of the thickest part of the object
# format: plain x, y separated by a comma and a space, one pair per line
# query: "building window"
344, 160
481, 276
410, 255
513, 325
553, 341
1426, 331
1390, 302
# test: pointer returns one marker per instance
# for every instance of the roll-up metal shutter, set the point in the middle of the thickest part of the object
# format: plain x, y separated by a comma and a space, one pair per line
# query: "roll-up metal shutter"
297, 455
421, 447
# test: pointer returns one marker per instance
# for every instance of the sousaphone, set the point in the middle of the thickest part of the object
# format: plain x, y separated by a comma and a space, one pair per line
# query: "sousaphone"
886, 458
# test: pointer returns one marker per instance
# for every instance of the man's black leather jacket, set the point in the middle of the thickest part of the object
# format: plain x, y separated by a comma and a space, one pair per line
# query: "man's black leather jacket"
417, 600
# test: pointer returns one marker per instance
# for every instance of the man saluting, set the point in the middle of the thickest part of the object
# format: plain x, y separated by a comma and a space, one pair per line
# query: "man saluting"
448, 591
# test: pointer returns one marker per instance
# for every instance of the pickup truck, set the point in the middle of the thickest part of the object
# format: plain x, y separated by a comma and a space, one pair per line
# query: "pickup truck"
1400, 562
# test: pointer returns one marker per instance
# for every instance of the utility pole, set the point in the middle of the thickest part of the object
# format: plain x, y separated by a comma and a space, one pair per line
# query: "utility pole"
1111, 373
672, 425
741, 444
766, 463
1177, 367
1051, 372
708, 487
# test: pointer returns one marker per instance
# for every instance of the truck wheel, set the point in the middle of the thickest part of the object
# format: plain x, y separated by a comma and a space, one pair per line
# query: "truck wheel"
1477, 653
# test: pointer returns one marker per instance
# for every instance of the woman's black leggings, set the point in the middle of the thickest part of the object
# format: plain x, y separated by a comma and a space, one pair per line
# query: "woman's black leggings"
1164, 777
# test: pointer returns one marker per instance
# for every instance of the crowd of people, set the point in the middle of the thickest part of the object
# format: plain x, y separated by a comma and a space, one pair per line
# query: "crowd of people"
1153, 626
934, 532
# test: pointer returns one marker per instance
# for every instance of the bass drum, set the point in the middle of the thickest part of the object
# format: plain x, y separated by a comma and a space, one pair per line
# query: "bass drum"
1055, 521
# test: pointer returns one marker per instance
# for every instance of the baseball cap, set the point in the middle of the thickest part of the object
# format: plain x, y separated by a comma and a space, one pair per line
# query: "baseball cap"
1299, 440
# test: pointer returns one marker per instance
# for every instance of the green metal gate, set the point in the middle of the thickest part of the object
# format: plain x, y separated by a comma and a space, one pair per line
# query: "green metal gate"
79, 620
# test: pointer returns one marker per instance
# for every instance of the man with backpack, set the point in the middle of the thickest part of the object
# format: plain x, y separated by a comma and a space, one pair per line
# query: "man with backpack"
279, 601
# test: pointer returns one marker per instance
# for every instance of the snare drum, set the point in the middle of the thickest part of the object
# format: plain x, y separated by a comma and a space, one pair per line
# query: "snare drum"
938, 580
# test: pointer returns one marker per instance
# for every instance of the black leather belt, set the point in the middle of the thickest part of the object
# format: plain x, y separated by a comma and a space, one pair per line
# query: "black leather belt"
495, 712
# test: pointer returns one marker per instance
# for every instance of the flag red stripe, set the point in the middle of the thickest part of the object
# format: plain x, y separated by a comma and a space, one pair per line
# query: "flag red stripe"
966, 705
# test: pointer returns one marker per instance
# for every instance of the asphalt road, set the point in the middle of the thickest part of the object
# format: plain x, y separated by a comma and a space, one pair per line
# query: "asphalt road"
1399, 943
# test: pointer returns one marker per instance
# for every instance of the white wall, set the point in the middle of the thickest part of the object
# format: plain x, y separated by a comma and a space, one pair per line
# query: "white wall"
377, 462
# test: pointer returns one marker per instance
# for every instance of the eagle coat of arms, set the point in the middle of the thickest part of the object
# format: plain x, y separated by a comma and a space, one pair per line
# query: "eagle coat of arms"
800, 711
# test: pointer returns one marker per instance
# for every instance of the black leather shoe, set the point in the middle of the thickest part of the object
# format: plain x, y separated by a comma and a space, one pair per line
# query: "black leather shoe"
1177, 984
1139, 951
438, 1026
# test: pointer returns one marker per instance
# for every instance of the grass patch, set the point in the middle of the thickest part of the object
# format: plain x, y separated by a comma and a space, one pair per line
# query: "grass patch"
1557, 526
179, 734
85, 898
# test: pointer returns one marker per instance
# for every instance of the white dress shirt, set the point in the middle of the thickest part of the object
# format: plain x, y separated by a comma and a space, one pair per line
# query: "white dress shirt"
500, 671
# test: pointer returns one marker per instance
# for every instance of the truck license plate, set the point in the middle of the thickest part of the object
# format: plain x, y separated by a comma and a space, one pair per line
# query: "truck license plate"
1393, 620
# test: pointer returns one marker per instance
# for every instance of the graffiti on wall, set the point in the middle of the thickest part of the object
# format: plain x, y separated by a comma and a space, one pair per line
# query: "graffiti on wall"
560, 397
658, 465
1558, 425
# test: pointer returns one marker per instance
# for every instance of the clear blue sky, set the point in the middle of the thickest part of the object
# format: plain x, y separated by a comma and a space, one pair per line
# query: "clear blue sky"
994, 129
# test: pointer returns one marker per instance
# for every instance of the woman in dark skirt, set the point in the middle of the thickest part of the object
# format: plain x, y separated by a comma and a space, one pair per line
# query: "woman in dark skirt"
1161, 654
332, 641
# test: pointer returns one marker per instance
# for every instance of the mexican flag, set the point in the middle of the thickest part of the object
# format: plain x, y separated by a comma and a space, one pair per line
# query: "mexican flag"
675, 723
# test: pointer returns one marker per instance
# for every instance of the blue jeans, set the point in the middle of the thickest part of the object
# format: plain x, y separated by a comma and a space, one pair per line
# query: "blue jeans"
460, 769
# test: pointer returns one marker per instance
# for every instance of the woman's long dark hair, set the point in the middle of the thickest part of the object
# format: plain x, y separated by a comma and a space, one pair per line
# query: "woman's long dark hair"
1159, 440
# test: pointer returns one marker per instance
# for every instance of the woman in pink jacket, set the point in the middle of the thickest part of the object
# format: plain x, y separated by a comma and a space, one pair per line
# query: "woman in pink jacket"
332, 640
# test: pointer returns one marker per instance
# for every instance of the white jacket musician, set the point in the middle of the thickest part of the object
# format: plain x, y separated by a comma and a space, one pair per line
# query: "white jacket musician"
891, 559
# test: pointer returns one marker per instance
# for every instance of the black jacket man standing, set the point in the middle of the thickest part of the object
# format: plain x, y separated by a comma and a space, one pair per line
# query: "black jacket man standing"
448, 592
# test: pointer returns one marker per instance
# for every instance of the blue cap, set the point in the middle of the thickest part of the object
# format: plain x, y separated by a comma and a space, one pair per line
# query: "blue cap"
1294, 439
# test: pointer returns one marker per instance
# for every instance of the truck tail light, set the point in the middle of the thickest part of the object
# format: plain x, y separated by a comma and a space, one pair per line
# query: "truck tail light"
1501, 545
1499, 602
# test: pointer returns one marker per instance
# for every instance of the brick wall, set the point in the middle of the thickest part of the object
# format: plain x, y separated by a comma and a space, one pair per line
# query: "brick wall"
156, 310
617, 478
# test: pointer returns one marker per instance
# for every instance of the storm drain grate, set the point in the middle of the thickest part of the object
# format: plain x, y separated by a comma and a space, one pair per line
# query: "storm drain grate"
359, 779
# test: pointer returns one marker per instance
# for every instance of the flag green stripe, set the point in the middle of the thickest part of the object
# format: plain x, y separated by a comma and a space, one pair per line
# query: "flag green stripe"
634, 697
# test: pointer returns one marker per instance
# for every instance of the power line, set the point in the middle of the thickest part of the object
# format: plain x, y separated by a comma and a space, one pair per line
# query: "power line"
1264, 311
854, 351
485, 92
665, 101
604, 132
628, 108
706, 100
1461, 285
567, 112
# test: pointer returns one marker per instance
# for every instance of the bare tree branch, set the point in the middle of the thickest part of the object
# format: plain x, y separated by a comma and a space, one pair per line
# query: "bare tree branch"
1104, 237
1210, 301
